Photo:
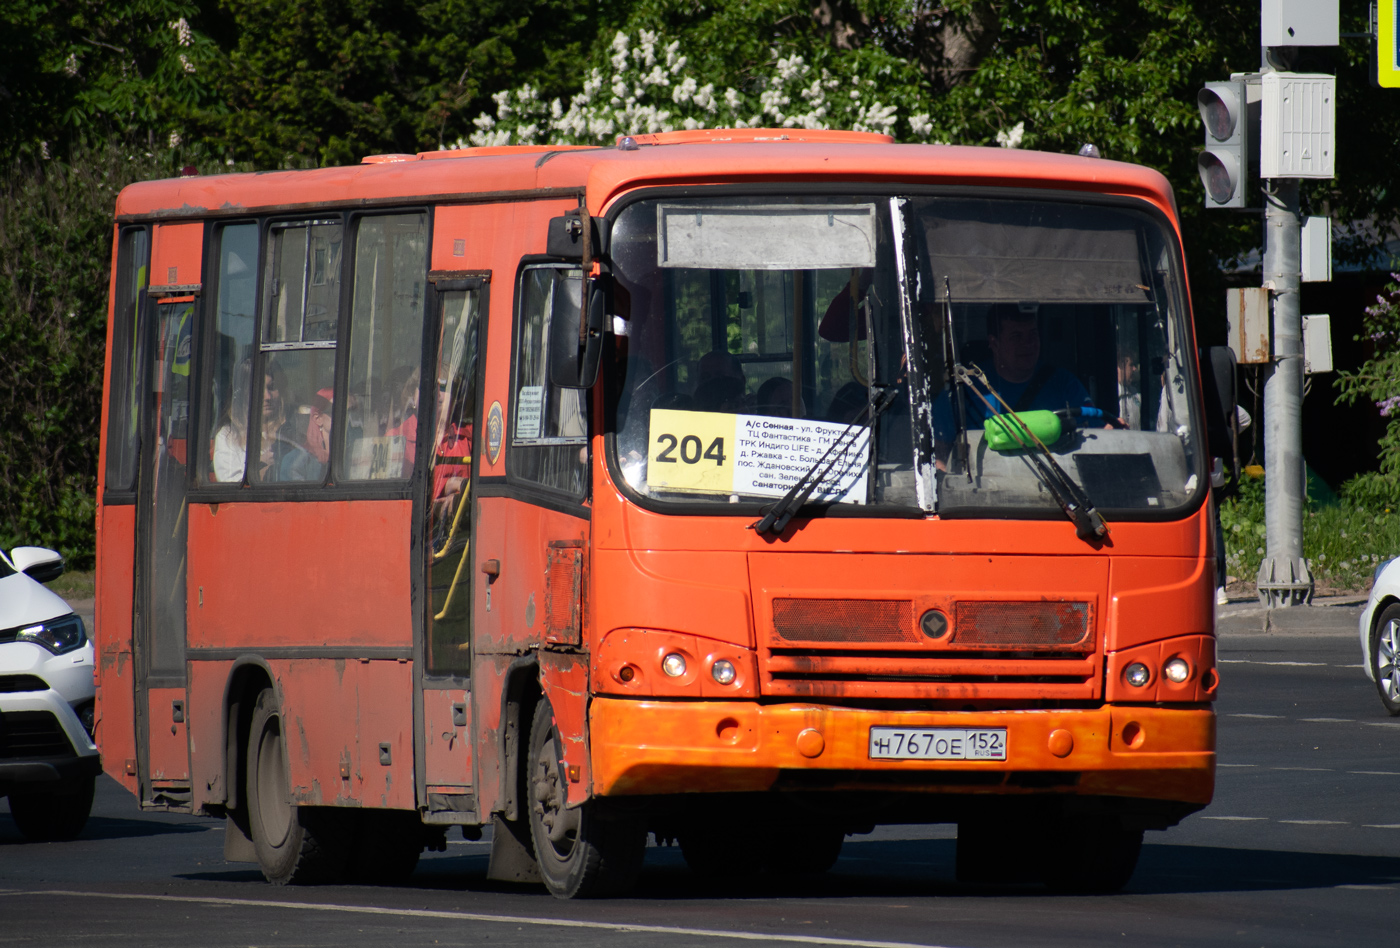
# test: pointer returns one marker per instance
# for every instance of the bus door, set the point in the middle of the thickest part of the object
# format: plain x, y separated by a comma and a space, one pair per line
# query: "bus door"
159, 620
445, 741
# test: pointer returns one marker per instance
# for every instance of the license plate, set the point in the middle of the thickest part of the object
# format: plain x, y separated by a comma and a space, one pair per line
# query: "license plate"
939, 743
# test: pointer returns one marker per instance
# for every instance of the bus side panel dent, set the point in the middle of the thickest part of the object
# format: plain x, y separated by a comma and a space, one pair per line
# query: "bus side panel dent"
348, 730
116, 695
704, 594
564, 678
343, 578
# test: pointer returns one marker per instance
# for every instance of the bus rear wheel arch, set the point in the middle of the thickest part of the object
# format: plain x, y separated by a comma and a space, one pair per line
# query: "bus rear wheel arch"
583, 852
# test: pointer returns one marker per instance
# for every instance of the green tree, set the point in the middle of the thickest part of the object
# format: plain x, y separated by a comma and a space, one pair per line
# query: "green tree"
1378, 381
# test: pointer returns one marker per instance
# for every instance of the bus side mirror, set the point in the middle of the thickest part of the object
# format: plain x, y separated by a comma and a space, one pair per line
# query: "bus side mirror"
1218, 387
565, 239
574, 355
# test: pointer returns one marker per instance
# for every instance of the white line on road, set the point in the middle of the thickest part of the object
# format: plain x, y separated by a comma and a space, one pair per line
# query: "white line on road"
1377, 773
1237, 765
1316, 822
1241, 715
1382, 723
1381, 826
1247, 661
1240, 819
476, 917
1309, 769
1328, 720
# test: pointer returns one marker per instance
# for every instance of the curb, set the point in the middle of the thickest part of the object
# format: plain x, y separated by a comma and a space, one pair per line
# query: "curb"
1332, 615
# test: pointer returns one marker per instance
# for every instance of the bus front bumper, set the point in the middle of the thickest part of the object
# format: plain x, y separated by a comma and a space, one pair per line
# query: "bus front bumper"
667, 747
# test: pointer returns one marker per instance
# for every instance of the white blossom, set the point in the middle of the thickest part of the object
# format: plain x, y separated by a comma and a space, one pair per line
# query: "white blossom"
921, 125
186, 64
70, 65
184, 36
174, 140
1012, 138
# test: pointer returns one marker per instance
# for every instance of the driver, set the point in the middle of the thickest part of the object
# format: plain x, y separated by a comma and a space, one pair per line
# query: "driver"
1015, 371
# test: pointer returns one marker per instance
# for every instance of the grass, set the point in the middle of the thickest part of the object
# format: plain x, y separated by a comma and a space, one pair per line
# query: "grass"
76, 584
1343, 542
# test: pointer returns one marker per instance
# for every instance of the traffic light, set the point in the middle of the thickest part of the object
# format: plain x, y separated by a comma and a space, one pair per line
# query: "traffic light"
1224, 163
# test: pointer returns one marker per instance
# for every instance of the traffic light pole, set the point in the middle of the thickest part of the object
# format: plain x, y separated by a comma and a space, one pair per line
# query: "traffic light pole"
1284, 578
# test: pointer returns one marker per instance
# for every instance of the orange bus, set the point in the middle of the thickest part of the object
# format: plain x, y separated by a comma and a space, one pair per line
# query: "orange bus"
746, 488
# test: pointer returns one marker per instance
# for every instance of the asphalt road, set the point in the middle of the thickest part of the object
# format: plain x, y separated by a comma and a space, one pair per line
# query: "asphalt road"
1301, 847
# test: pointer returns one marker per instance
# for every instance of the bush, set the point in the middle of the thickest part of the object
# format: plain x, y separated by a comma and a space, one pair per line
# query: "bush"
55, 263
1342, 542
1378, 381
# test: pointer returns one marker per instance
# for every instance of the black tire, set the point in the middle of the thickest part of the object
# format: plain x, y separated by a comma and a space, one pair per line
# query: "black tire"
295, 845
1385, 658
582, 852
385, 846
54, 815
1091, 856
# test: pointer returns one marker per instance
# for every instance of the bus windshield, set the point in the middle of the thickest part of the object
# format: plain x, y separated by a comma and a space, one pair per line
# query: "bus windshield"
756, 336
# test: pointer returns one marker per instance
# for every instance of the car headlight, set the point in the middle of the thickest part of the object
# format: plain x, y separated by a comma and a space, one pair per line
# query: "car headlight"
57, 635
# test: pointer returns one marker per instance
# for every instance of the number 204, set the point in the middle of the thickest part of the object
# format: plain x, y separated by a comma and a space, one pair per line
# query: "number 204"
689, 449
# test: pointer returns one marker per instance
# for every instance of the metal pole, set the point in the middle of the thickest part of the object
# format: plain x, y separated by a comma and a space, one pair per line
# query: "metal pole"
1284, 578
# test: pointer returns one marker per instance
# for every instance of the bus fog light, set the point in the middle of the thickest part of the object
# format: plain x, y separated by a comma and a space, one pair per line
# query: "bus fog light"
673, 665
1177, 670
1137, 674
723, 671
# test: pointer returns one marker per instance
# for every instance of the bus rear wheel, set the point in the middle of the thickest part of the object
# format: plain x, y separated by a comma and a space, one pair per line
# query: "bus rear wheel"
294, 845
582, 852
56, 815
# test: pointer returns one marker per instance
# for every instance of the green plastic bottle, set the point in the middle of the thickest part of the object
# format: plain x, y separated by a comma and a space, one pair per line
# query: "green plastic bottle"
1045, 425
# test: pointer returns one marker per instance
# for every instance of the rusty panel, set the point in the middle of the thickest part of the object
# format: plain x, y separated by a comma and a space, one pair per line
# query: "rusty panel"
204, 716
1158, 597
1023, 624
336, 714
703, 593
517, 534
447, 738
340, 574
564, 593
1247, 315
488, 680
564, 678
169, 748
176, 250
844, 620
116, 696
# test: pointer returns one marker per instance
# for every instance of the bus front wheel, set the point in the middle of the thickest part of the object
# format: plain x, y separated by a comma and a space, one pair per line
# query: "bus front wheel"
1091, 855
582, 852
295, 845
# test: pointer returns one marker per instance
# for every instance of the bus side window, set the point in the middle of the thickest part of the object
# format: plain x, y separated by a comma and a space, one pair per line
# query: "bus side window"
386, 347
293, 390
549, 440
123, 440
228, 385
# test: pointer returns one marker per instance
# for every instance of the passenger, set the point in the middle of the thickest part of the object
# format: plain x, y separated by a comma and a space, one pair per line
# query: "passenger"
848, 403
403, 411
230, 448
277, 435
1017, 374
719, 363
720, 393
775, 398
307, 461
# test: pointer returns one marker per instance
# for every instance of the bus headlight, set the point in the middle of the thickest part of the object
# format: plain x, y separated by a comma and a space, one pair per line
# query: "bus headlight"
723, 671
673, 665
1177, 669
1137, 674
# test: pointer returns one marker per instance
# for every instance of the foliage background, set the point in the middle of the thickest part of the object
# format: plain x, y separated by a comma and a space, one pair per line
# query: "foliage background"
96, 93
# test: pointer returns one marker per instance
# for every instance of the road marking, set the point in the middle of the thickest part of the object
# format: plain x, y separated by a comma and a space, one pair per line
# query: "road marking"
1309, 769
1237, 765
477, 917
1235, 818
1381, 826
1364, 888
1381, 723
1250, 661
1328, 720
1377, 773
1239, 715
1316, 822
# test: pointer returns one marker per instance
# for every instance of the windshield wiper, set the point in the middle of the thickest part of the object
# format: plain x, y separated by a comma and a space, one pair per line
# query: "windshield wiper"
1088, 524
781, 513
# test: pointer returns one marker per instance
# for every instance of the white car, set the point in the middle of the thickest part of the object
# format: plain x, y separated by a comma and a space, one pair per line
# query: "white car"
48, 762
1380, 634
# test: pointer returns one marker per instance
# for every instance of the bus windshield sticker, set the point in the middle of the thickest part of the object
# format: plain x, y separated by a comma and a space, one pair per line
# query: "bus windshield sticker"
377, 457
777, 237
752, 455
527, 411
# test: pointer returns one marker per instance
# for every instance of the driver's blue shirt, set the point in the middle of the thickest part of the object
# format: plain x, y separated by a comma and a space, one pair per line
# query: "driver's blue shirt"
1060, 390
